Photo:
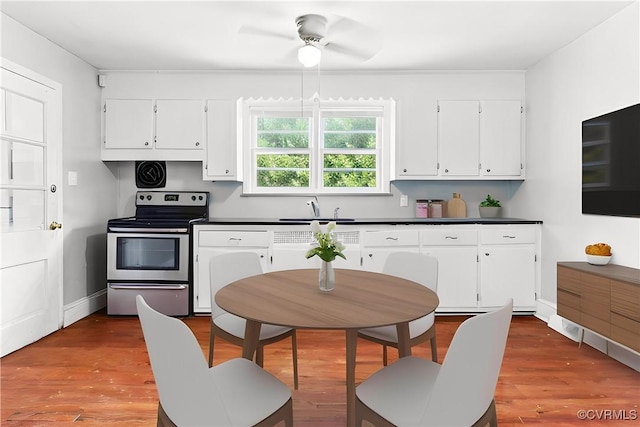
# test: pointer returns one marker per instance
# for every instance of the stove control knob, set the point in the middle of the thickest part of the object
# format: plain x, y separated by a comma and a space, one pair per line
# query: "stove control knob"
149, 197
193, 198
200, 197
141, 197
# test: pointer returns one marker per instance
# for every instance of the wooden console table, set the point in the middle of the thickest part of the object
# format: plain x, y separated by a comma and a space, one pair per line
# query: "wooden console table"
602, 298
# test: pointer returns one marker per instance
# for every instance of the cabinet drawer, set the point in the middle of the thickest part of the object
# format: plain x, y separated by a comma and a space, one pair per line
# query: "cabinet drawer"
569, 280
448, 237
390, 238
625, 299
626, 331
234, 238
507, 236
569, 305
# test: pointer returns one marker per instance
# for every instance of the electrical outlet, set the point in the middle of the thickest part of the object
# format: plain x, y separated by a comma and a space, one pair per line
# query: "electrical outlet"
404, 200
72, 178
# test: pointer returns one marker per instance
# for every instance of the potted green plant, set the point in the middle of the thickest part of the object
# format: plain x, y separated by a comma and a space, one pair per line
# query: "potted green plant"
490, 207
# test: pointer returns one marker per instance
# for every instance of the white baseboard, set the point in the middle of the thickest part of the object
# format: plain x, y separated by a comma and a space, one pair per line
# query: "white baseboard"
83, 307
545, 310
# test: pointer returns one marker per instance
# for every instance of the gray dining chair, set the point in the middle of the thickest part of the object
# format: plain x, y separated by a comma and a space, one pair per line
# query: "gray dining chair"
227, 268
416, 392
419, 268
236, 392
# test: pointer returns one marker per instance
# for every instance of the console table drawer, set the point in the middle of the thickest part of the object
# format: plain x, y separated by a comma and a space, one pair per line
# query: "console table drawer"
569, 280
569, 305
625, 299
626, 331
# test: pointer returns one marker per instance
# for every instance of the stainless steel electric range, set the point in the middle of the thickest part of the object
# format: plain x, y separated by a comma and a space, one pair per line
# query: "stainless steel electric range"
148, 254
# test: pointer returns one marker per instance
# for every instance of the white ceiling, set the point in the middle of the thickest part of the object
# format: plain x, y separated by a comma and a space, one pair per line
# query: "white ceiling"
381, 35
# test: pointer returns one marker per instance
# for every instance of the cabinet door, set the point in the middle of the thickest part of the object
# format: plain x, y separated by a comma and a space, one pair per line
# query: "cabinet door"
179, 124
128, 123
457, 276
507, 271
417, 142
500, 138
222, 146
201, 281
373, 259
458, 138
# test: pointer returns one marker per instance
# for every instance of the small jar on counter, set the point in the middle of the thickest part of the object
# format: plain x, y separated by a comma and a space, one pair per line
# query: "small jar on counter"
436, 208
422, 208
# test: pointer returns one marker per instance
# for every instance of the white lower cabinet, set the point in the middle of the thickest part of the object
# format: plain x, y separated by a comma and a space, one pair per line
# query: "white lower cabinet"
456, 250
208, 244
479, 266
289, 247
508, 267
378, 244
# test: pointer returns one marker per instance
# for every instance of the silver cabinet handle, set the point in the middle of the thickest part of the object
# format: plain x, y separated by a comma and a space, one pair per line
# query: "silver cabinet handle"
508, 237
150, 287
451, 237
392, 238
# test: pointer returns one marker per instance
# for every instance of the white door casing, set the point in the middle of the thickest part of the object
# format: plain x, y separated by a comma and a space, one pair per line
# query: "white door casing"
30, 207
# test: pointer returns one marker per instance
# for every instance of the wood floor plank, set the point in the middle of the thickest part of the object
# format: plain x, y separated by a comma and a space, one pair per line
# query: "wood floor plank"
96, 372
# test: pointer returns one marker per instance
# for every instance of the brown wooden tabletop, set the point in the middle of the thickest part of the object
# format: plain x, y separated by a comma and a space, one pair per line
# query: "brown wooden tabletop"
361, 299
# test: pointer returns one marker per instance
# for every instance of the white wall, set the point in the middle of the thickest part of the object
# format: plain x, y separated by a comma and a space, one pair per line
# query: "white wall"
88, 205
416, 96
595, 74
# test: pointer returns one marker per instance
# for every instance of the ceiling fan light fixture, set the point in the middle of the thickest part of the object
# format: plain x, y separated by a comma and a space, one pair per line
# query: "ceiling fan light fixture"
309, 55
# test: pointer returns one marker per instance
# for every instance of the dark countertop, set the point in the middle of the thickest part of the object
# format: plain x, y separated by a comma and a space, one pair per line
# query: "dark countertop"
370, 221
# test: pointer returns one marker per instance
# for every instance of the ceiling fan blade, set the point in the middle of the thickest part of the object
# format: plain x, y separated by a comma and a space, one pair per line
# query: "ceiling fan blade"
364, 53
250, 30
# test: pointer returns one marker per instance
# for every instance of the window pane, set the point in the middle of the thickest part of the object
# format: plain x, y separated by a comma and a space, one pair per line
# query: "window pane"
350, 132
283, 170
282, 132
283, 178
351, 179
349, 170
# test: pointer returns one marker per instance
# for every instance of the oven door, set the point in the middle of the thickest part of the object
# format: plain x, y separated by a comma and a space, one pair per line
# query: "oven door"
147, 257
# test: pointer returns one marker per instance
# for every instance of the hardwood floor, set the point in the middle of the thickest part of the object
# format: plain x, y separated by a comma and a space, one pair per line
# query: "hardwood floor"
96, 372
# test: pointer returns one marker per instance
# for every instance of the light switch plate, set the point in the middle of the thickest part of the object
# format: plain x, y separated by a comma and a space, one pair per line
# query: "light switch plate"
404, 200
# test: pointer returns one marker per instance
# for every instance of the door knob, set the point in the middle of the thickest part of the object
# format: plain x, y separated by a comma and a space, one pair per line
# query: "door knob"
54, 225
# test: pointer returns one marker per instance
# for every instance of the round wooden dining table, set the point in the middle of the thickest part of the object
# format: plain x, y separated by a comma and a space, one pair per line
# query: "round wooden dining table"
361, 299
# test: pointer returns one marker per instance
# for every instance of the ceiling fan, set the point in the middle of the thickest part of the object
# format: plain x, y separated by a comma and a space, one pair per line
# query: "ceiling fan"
320, 35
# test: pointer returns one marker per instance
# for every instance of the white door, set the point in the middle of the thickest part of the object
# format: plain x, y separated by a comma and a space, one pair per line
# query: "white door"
30, 205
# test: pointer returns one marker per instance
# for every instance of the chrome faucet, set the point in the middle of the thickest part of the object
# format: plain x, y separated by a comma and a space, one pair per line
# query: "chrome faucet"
335, 213
315, 206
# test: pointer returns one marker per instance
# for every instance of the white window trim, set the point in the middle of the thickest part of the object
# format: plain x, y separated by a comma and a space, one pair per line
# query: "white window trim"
384, 108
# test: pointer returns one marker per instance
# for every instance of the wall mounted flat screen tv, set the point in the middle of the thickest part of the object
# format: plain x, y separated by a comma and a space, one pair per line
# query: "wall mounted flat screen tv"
611, 163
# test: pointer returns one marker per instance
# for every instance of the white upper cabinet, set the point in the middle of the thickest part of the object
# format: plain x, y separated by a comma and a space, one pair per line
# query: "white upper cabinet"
221, 159
128, 124
458, 138
480, 139
416, 151
147, 129
500, 138
179, 124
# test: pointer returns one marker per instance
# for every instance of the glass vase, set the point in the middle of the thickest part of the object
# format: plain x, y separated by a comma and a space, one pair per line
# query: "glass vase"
326, 277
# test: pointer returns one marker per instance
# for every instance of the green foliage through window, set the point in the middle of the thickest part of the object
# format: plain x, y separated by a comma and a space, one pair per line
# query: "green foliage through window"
295, 150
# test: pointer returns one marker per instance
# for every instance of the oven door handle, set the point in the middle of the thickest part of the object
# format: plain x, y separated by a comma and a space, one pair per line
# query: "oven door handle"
147, 287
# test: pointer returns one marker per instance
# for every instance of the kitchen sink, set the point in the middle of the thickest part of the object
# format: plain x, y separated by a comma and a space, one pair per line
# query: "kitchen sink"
316, 219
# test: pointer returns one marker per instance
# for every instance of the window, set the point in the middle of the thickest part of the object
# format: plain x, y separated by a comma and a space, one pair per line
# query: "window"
323, 147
